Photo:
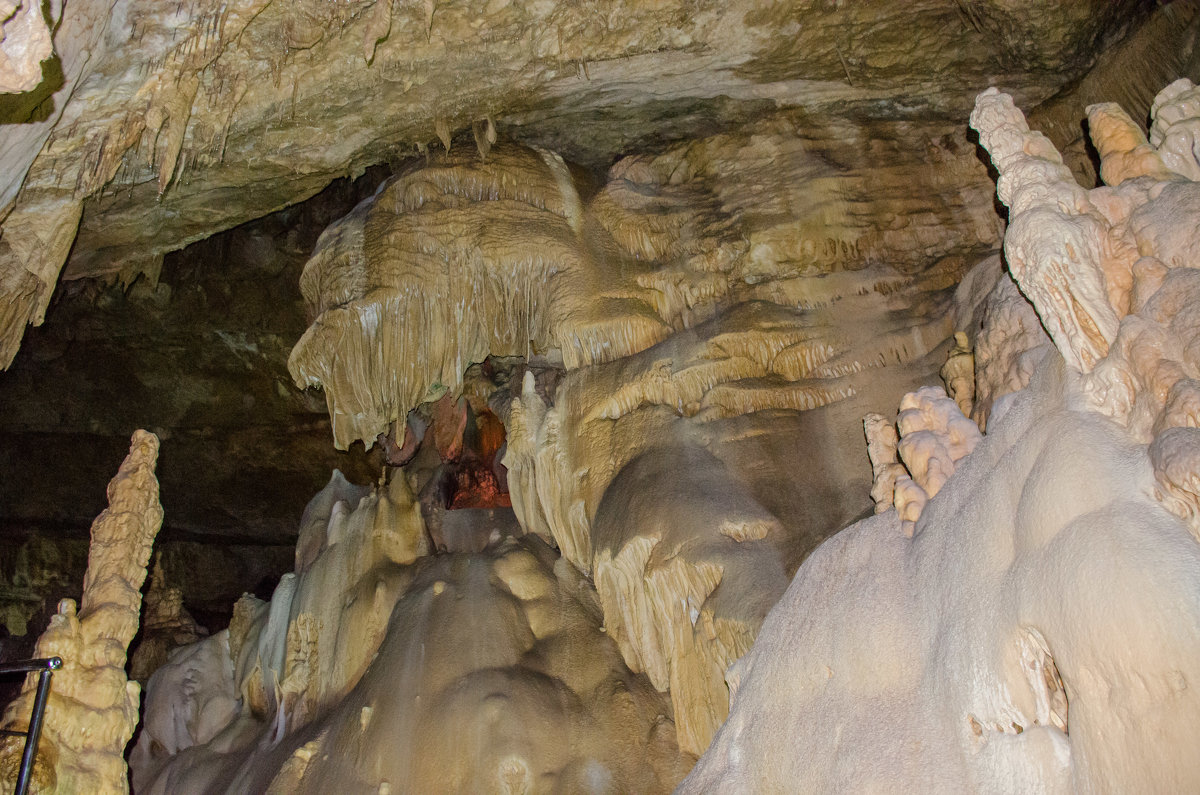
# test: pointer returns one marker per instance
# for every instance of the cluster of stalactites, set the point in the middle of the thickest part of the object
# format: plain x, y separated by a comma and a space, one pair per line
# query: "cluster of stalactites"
1112, 271
444, 266
93, 708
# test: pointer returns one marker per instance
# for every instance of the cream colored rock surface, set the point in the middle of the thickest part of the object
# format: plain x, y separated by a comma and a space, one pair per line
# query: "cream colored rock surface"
1176, 114
703, 329
1056, 244
189, 699
171, 123
445, 265
93, 709
780, 259
456, 672
958, 373
1040, 628
1010, 343
886, 468
166, 625
932, 436
895, 664
24, 44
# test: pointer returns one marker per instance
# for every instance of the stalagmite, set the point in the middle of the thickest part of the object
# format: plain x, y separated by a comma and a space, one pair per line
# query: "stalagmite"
1055, 240
686, 321
1124, 151
166, 625
93, 708
1041, 628
958, 374
620, 365
1176, 113
930, 437
474, 672
885, 464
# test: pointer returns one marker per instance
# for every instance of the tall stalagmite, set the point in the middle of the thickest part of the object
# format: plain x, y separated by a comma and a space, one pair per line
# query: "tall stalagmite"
93, 708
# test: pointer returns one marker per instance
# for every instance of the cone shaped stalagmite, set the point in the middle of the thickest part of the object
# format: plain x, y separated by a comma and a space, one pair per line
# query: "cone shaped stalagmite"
93, 708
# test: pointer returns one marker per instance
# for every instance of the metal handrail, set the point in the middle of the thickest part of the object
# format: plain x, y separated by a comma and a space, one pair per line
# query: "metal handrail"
45, 667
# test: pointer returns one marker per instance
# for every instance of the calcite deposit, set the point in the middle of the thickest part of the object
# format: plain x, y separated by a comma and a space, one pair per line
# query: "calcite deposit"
376, 667
693, 325
152, 126
624, 316
93, 709
166, 625
1037, 626
24, 44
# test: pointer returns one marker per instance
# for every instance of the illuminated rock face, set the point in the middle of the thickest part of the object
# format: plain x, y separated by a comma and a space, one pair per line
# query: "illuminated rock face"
703, 329
24, 44
700, 330
373, 669
93, 709
161, 125
1040, 630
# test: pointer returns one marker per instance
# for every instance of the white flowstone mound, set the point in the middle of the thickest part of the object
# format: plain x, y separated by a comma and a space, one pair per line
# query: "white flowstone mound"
1040, 630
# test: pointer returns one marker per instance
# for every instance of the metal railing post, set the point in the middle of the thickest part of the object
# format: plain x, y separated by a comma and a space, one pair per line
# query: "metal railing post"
45, 668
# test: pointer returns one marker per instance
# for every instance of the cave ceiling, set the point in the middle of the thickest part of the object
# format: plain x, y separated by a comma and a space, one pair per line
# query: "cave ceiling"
160, 124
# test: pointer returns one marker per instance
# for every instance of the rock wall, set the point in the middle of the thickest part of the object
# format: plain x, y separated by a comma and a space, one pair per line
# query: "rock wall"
1039, 629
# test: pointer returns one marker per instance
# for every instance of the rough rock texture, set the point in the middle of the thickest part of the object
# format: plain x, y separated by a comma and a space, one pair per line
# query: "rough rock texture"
152, 132
24, 44
166, 625
958, 373
199, 356
378, 668
771, 234
1041, 627
934, 436
1056, 246
700, 317
93, 709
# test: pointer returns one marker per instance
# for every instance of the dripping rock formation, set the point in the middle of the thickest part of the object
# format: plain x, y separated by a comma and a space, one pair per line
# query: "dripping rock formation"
719, 396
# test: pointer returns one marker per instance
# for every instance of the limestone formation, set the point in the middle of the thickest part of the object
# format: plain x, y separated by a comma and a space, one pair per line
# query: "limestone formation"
648, 272
24, 44
958, 373
152, 129
1010, 344
930, 436
166, 625
1145, 381
689, 322
444, 266
1056, 241
189, 700
477, 672
93, 709
885, 463
1041, 626
1176, 116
